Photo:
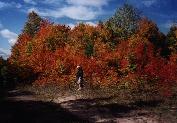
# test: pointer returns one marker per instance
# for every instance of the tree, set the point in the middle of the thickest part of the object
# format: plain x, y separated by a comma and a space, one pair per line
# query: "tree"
124, 22
89, 50
33, 23
172, 39
21, 50
58, 35
51, 55
149, 32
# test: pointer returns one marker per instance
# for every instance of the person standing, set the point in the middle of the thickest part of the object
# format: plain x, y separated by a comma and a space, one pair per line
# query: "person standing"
79, 77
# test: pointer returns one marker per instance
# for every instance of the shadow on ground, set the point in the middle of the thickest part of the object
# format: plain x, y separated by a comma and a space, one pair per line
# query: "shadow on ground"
96, 111
28, 111
23, 107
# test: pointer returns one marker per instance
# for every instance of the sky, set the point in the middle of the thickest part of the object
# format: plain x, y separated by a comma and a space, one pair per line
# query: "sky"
13, 14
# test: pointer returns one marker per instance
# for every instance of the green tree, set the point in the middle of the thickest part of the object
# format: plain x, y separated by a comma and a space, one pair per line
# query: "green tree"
33, 23
89, 50
125, 21
172, 38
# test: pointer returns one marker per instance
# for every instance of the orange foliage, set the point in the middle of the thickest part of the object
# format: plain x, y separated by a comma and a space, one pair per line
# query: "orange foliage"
56, 50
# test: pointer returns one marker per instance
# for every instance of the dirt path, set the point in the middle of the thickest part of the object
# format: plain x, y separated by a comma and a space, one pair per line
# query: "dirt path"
107, 113
21, 106
24, 107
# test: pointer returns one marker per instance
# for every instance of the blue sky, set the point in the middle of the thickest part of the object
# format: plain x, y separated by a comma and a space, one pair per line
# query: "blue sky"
13, 14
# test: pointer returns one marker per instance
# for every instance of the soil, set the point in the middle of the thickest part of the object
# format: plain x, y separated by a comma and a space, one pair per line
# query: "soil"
25, 107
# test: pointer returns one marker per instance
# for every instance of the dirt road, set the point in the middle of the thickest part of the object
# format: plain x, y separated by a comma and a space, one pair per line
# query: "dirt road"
25, 107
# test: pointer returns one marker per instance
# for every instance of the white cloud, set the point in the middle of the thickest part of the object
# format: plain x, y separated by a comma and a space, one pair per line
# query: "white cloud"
149, 3
95, 3
78, 13
5, 51
10, 5
18, 5
91, 23
30, 2
73, 9
73, 12
3, 4
10, 36
36, 10
53, 2
71, 25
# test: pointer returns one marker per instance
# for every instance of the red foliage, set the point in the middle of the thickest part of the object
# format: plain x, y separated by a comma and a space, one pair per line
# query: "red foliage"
55, 51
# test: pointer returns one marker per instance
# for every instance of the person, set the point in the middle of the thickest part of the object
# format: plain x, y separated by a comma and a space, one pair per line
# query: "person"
79, 77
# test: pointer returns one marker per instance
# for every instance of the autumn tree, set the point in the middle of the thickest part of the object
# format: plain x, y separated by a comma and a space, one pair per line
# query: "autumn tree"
126, 50
83, 38
33, 23
148, 31
20, 50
